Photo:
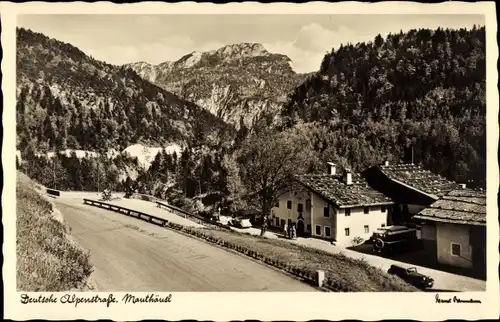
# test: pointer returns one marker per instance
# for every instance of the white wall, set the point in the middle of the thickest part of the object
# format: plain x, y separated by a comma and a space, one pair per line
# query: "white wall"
336, 222
429, 232
282, 212
356, 223
458, 234
318, 218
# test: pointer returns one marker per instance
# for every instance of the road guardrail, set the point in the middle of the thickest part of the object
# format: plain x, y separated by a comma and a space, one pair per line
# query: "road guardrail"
53, 192
151, 218
126, 211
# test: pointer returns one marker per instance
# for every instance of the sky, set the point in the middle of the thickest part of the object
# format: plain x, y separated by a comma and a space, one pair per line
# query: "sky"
120, 39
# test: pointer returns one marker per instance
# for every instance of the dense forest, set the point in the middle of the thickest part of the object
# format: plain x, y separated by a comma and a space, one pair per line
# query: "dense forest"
66, 99
422, 91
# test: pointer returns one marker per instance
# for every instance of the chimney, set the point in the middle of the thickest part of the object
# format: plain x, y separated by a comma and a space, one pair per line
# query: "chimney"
347, 177
332, 169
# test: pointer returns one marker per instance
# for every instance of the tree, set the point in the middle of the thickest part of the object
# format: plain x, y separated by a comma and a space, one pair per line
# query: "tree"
268, 162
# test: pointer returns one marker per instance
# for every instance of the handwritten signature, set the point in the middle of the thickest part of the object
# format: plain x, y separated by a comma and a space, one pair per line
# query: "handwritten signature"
455, 299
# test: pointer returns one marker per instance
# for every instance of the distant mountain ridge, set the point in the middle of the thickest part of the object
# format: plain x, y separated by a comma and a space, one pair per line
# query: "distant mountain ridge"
241, 83
67, 99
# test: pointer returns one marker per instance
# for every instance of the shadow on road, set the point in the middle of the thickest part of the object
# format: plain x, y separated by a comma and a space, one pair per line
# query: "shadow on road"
419, 258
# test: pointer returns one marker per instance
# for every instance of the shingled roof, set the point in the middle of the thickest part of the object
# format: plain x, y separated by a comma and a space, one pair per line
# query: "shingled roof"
419, 178
333, 189
463, 206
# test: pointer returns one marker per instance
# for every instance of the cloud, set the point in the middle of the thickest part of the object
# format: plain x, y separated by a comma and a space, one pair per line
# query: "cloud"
306, 49
169, 48
303, 61
313, 41
313, 37
309, 46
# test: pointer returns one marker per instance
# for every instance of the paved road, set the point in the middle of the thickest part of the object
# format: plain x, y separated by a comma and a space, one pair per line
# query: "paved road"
132, 255
443, 281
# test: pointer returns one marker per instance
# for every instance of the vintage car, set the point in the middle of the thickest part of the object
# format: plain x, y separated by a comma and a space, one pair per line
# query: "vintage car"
241, 223
412, 276
394, 238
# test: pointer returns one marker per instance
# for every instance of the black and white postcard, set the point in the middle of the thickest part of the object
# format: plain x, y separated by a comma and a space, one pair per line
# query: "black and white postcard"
250, 161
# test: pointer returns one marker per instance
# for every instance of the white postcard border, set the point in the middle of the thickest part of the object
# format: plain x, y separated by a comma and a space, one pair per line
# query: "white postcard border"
261, 306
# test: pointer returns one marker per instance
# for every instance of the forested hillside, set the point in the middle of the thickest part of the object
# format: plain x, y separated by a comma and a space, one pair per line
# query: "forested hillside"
67, 99
423, 89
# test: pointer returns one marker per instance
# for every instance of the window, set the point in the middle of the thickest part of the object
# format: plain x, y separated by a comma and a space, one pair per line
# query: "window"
282, 223
347, 231
383, 225
383, 209
367, 210
277, 204
347, 212
308, 204
327, 231
277, 221
455, 249
289, 204
326, 212
300, 207
318, 230
308, 227
367, 229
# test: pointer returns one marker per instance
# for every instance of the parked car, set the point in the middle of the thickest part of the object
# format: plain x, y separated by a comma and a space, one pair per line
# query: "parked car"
412, 276
394, 238
241, 223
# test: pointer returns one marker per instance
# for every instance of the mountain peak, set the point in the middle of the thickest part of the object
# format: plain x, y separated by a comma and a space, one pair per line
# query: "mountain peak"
241, 50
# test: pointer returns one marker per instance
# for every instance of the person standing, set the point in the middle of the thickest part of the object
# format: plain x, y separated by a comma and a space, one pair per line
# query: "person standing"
294, 232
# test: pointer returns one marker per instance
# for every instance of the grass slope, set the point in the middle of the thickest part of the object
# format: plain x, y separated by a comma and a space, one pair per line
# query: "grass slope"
352, 275
47, 259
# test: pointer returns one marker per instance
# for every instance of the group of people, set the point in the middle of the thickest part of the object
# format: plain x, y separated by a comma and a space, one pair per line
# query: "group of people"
290, 231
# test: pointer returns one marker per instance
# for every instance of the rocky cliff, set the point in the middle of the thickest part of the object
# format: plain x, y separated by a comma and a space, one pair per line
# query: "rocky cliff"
240, 83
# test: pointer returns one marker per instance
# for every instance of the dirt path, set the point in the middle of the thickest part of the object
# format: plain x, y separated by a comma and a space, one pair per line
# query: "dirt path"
131, 255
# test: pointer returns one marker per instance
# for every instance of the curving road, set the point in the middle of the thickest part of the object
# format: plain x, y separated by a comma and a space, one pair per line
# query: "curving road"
132, 255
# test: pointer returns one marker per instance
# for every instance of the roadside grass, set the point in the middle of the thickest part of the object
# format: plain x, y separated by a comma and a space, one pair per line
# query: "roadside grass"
348, 274
47, 258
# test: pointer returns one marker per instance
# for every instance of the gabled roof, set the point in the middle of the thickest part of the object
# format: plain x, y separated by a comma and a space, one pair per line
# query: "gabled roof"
464, 206
333, 189
420, 179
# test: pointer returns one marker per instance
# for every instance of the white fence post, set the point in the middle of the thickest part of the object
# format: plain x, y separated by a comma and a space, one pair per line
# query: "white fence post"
320, 277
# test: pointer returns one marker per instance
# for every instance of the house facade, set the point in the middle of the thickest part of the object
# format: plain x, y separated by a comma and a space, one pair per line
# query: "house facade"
411, 187
332, 206
454, 230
